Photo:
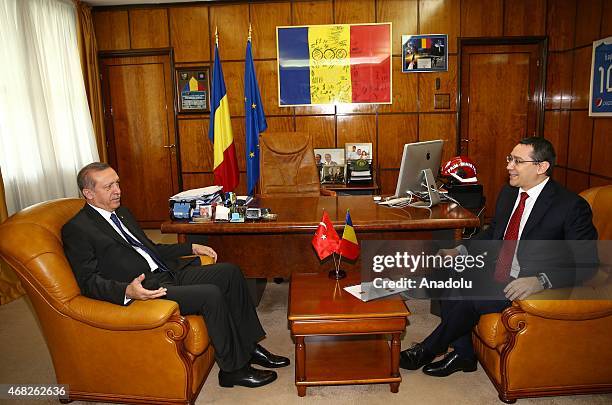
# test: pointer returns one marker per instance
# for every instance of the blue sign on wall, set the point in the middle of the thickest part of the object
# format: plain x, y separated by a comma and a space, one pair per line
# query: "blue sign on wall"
600, 101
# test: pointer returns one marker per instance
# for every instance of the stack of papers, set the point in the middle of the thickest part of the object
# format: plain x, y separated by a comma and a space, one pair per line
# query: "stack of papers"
361, 176
196, 193
367, 292
205, 195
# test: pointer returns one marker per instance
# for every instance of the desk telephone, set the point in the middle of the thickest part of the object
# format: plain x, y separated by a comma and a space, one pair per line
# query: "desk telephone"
256, 213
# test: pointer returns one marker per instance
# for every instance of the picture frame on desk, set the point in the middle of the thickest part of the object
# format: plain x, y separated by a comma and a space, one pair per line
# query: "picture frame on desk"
193, 89
356, 151
329, 156
333, 174
360, 172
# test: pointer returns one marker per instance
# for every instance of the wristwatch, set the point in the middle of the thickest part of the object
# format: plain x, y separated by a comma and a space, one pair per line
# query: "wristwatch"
543, 279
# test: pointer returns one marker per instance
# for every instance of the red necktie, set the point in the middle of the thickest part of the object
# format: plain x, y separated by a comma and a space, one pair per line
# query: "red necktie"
506, 254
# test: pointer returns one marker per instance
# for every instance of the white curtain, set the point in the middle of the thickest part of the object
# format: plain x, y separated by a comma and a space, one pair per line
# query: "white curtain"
46, 134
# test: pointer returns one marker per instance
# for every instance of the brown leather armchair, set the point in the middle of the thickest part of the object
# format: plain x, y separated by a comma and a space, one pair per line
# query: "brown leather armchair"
143, 353
288, 166
546, 347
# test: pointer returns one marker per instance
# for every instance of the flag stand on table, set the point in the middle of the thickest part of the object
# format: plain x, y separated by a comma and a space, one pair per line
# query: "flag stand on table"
348, 246
327, 243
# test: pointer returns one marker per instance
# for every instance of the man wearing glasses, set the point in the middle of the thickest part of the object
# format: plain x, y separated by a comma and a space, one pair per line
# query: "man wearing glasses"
531, 207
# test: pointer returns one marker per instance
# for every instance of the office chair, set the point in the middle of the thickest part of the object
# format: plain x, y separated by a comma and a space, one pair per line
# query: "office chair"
288, 166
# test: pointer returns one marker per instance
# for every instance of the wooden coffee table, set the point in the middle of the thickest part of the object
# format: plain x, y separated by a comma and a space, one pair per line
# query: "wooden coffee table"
341, 340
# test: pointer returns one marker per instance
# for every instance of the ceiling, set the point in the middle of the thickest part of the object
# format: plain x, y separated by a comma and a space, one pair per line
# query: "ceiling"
124, 2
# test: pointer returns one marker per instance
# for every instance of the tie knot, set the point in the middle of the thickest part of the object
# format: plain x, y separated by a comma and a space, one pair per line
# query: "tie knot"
524, 196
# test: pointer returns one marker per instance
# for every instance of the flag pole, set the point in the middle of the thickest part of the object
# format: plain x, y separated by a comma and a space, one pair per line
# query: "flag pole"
216, 36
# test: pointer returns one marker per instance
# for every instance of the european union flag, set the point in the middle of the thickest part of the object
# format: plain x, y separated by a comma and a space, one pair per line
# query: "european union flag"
255, 120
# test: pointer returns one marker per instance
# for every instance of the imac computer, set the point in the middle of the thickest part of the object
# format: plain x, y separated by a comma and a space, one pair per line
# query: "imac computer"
420, 164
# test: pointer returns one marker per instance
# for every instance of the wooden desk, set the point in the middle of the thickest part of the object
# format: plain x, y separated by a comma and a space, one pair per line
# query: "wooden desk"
352, 188
282, 247
340, 339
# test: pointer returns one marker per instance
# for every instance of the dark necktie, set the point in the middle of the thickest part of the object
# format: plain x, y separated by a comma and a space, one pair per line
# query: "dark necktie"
137, 244
506, 254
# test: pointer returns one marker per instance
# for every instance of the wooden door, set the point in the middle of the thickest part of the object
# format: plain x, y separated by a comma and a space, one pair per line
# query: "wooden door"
501, 101
139, 113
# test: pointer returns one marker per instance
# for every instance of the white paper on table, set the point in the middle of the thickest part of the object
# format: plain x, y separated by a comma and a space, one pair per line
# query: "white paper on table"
367, 292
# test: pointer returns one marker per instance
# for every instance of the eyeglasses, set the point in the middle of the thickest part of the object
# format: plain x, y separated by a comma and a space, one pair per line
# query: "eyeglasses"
518, 161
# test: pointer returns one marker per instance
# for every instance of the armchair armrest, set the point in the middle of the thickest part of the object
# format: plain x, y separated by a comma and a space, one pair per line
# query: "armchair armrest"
567, 309
136, 316
204, 260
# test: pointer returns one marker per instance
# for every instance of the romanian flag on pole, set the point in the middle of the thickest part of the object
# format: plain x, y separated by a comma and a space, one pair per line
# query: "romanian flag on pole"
225, 165
331, 64
255, 119
349, 247
325, 240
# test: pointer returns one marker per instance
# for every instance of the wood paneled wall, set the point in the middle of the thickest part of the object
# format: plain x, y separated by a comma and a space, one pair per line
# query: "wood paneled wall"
582, 143
189, 29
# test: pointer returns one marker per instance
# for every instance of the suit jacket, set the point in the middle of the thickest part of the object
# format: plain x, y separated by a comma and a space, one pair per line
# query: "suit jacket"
104, 263
558, 215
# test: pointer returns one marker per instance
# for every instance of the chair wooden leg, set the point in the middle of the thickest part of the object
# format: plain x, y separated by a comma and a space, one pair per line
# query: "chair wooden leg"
507, 400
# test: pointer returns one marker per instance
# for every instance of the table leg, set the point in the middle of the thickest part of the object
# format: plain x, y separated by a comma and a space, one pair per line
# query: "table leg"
395, 354
300, 364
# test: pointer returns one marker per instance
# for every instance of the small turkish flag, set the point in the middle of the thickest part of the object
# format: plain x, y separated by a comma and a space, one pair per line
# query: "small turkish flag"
325, 240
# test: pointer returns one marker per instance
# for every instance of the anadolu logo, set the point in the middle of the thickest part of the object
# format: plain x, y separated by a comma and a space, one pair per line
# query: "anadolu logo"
598, 102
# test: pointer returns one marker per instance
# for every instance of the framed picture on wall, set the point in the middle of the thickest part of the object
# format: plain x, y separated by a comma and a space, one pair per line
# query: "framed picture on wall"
193, 89
424, 53
334, 64
600, 98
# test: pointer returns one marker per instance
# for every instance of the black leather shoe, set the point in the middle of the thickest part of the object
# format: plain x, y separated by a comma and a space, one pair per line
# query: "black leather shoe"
450, 364
246, 376
415, 357
264, 358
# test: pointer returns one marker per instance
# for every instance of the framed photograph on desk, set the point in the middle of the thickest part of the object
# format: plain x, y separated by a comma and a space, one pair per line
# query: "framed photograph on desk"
356, 151
333, 174
329, 156
193, 89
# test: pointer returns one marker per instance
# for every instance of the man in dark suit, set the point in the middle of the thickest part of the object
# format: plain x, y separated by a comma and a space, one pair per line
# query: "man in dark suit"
113, 260
532, 207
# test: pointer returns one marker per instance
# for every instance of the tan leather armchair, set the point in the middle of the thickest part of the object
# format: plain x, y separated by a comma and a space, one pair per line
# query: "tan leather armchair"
143, 353
548, 347
288, 166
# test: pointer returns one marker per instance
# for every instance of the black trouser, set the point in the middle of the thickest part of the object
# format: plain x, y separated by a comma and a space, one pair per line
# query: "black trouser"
219, 293
458, 319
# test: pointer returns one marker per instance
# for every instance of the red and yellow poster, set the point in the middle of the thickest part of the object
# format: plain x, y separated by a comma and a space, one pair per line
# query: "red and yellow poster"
332, 64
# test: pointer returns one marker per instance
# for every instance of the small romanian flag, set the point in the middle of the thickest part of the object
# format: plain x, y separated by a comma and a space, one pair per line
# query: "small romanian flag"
349, 247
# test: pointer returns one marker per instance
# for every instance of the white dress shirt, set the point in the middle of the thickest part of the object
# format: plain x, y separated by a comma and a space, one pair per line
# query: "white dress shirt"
107, 216
534, 193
